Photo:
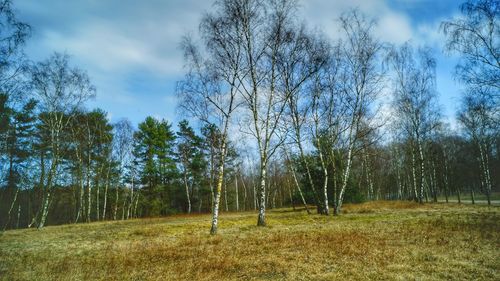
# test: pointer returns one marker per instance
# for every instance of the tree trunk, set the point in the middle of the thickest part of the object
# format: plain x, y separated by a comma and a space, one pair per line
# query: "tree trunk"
115, 209
10, 209
261, 221
220, 180
225, 196
218, 191
326, 209
18, 215
89, 197
236, 189
134, 210
81, 201
399, 184
106, 194
290, 194
295, 180
45, 210
422, 171
486, 172
297, 185
245, 204
414, 172
97, 197
187, 192
345, 179
46, 201
130, 206
434, 183
309, 178
255, 202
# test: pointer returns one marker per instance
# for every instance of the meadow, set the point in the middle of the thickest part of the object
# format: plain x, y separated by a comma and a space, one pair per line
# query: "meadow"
370, 241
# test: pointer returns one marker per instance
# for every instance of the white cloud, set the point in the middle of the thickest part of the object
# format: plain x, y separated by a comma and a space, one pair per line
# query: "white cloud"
394, 28
114, 40
107, 47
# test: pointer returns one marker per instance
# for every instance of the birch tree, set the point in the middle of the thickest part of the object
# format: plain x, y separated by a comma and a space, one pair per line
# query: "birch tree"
269, 33
307, 56
480, 119
61, 90
475, 36
123, 140
210, 89
361, 81
13, 36
415, 104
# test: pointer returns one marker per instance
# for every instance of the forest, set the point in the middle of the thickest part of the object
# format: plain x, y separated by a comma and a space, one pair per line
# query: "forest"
275, 114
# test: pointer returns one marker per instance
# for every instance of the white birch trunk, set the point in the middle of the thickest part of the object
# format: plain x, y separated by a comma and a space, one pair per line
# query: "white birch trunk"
106, 194
10, 209
422, 171
261, 221
297, 185
218, 191
345, 179
187, 193
236, 189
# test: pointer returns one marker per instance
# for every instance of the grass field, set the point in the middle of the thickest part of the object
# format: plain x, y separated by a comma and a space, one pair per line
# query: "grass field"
377, 240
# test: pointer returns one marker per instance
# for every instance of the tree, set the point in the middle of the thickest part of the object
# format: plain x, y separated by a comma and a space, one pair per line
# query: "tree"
360, 82
480, 119
306, 56
476, 38
210, 88
100, 131
268, 34
16, 131
13, 36
123, 140
191, 160
61, 90
415, 104
154, 154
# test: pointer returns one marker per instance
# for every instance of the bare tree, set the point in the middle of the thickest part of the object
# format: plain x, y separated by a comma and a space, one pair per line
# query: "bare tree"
361, 81
210, 89
13, 36
476, 37
123, 140
415, 103
291, 167
480, 118
271, 41
307, 56
61, 90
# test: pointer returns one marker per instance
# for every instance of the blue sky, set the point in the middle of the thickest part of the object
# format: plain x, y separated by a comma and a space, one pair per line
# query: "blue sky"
130, 49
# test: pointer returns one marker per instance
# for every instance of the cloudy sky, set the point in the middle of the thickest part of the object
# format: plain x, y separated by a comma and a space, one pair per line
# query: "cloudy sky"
130, 48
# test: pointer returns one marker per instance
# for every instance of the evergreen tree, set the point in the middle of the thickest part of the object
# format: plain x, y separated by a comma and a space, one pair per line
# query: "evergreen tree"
154, 158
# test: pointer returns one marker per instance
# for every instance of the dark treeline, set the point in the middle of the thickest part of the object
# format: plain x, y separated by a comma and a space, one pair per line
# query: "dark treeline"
281, 116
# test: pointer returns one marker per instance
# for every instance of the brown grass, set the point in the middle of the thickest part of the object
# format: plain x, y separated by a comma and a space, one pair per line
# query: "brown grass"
376, 240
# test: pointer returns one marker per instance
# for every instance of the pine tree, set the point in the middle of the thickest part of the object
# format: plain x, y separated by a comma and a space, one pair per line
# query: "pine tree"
153, 152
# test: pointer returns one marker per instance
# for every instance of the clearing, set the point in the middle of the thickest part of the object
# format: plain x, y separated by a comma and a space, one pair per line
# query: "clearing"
375, 240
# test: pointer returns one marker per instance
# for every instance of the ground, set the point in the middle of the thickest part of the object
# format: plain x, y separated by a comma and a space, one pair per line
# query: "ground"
376, 240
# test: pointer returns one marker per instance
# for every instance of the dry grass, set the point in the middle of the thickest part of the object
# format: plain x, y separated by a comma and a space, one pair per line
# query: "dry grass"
377, 240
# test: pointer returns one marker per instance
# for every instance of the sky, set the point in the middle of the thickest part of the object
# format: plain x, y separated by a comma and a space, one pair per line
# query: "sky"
130, 49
